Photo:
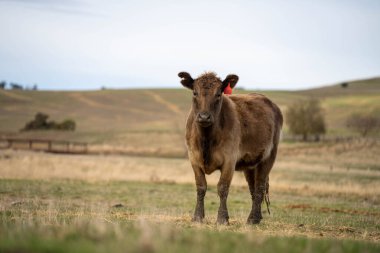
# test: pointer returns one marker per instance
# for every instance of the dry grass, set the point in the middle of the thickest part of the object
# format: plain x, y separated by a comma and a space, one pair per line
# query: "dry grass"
304, 168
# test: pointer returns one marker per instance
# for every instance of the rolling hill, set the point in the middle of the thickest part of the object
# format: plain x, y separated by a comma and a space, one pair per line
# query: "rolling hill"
356, 87
156, 117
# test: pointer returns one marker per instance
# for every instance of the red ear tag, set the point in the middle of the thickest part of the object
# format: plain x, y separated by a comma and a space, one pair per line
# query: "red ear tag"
228, 90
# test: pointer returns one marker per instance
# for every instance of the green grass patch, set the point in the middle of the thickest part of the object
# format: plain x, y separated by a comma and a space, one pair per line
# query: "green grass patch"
118, 216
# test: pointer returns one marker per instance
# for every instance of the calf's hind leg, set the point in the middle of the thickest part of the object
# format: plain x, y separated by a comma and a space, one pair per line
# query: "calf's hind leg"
261, 174
250, 178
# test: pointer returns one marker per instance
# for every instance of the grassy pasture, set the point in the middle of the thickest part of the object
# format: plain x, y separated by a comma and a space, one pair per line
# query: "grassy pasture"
70, 203
66, 215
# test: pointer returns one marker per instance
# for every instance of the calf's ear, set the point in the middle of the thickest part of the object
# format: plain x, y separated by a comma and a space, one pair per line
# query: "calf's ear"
186, 80
230, 79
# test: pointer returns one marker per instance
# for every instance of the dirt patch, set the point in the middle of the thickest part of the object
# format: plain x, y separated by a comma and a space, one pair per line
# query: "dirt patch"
347, 211
15, 95
299, 206
95, 104
170, 106
332, 210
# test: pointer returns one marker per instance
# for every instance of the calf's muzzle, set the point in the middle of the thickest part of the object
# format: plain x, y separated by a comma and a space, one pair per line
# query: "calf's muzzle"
204, 119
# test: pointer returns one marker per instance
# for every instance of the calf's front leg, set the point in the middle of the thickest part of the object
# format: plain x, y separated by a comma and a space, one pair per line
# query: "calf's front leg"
223, 189
201, 183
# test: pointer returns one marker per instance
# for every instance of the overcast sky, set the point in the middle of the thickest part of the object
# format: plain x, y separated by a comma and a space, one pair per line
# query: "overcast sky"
86, 44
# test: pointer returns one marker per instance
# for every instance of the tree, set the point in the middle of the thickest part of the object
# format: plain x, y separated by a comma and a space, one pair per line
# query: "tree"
363, 123
305, 118
39, 122
2, 85
16, 86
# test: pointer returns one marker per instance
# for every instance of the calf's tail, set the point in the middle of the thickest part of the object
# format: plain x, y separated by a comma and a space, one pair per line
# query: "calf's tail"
266, 195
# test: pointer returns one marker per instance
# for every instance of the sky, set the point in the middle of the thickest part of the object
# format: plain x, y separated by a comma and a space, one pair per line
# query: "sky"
87, 44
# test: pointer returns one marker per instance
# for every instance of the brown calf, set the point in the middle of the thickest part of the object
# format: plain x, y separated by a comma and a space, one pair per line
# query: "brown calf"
228, 133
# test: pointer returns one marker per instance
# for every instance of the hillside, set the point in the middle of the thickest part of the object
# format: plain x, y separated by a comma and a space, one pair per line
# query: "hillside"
156, 118
356, 87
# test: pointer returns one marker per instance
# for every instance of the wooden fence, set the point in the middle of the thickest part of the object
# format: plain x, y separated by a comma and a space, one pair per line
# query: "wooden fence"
53, 146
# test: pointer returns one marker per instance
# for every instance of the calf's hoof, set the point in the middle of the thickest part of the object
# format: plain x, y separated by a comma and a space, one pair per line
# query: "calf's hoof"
222, 221
253, 221
197, 219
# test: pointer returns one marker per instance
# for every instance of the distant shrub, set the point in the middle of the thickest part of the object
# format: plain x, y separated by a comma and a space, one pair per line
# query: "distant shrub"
2, 85
305, 118
364, 123
67, 124
344, 85
40, 122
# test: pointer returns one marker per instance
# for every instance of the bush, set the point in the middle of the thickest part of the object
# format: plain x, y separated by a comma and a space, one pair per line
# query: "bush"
364, 124
67, 124
305, 118
40, 123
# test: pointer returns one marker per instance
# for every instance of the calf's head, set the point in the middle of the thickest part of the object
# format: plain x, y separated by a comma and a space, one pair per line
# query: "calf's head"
207, 95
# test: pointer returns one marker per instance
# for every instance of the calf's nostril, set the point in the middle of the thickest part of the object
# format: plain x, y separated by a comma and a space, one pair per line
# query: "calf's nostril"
204, 116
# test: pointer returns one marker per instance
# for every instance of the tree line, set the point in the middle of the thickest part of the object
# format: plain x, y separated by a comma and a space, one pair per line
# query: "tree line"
16, 86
